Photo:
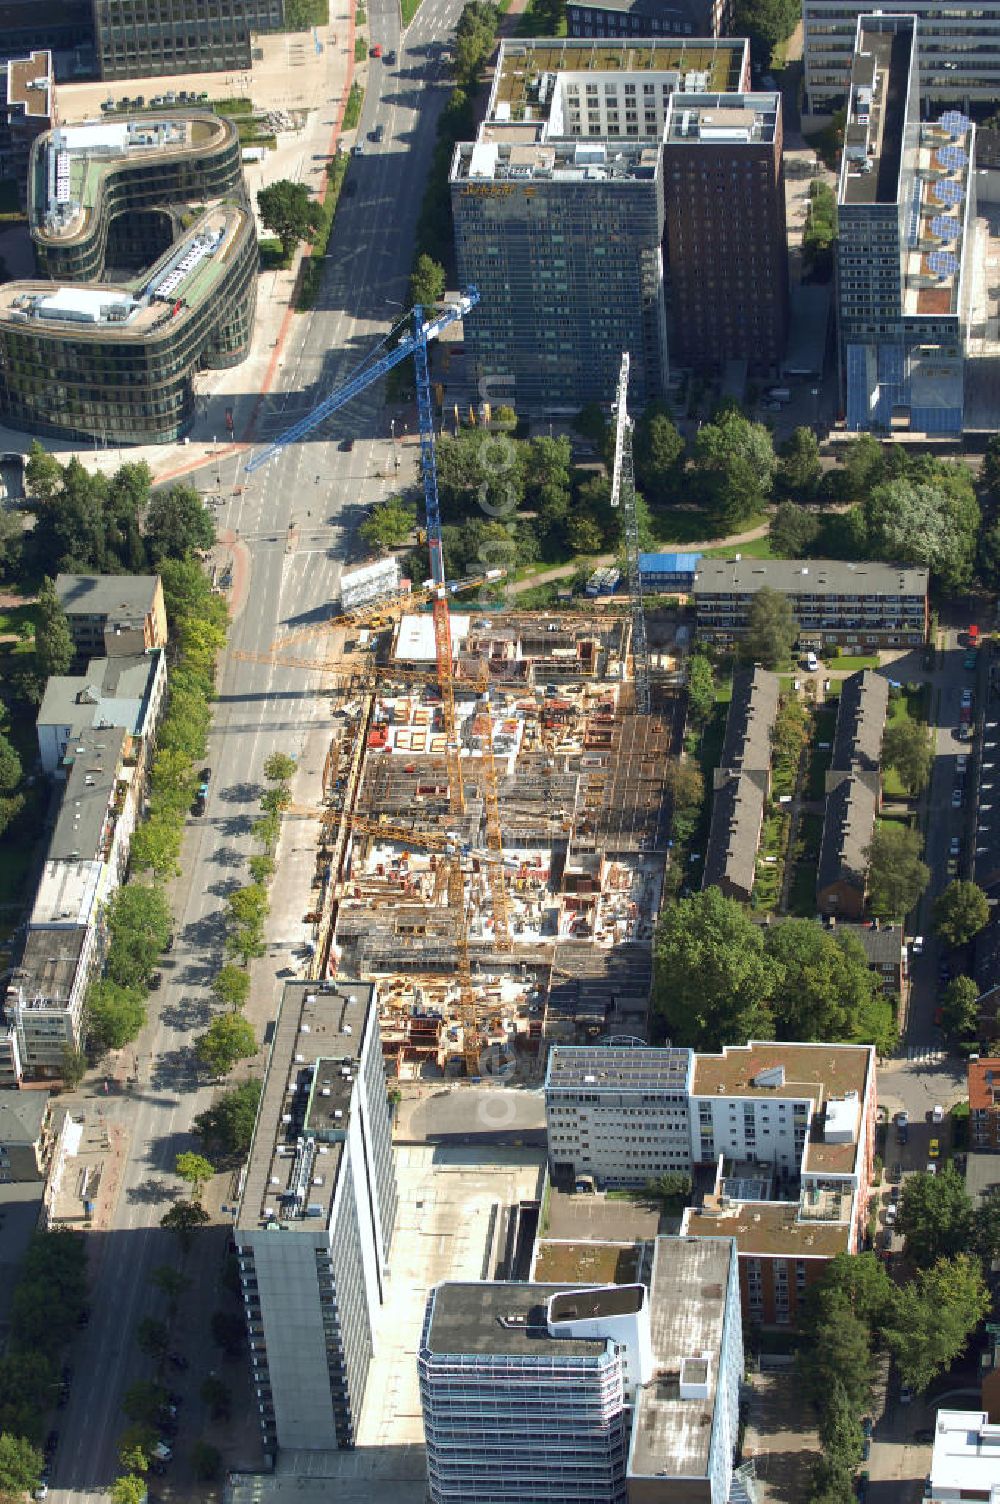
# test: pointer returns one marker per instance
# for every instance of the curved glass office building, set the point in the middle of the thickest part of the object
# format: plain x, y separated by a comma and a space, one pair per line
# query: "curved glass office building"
162, 203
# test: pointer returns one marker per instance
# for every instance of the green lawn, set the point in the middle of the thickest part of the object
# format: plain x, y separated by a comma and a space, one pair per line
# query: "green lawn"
408, 9
301, 14
756, 548
819, 756
233, 106
360, 53
13, 618
850, 664
356, 98
682, 525
771, 861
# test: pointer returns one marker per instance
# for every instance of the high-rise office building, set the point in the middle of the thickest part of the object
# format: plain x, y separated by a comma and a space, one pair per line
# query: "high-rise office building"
559, 214
724, 188
316, 1216
959, 51
533, 1393
648, 18
147, 38
905, 208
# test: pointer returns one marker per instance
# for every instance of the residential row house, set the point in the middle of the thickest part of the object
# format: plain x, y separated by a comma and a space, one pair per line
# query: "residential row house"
853, 796
742, 782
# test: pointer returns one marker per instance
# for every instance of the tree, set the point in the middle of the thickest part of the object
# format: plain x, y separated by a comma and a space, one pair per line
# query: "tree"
53, 642
231, 985
701, 688
684, 783
933, 1317
838, 1350
229, 1038
986, 1225
172, 1282
288, 212
771, 630
960, 912
130, 1488
196, 1170
713, 982
139, 924
821, 981
734, 468
228, 1332
132, 1456
766, 23
860, 1279
20, 1465
143, 1401
156, 845
72, 1067
896, 875
227, 1126
152, 1336
42, 473
583, 534
217, 1395
248, 905
799, 468
261, 867
280, 768
591, 424
177, 523
793, 531
960, 1008
427, 282
907, 746
930, 524
115, 1015
183, 1218
820, 232
206, 1461
935, 1215
10, 765
388, 524
671, 1186
659, 454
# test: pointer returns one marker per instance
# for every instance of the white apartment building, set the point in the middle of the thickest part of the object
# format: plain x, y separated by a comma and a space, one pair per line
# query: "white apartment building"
965, 1463
316, 1216
618, 1114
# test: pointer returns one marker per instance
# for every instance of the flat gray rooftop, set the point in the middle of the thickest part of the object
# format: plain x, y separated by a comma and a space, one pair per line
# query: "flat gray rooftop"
807, 577
688, 1306
502, 1320
610, 1068
308, 1095
106, 594
94, 757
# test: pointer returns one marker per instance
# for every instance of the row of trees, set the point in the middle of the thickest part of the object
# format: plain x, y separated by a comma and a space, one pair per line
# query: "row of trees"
721, 979
852, 1312
48, 1300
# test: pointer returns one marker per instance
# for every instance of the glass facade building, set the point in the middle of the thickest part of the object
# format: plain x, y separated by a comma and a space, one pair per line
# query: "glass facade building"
109, 363
149, 38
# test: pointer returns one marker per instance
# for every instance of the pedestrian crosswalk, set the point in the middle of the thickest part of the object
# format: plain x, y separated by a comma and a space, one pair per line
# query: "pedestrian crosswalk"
925, 1054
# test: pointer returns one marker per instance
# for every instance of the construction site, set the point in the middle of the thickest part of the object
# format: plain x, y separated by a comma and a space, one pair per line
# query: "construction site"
496, 817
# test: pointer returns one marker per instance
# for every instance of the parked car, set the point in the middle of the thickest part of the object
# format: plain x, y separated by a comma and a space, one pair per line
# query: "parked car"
811, 663
937, 1113
906, 1395
890, 1214
376, 50
867, 1425
390, 58
917, 945
969, 661
967, 698
951, 866
961, 764
896, 1173
345, 446
931, 1167
198, 807
957, 796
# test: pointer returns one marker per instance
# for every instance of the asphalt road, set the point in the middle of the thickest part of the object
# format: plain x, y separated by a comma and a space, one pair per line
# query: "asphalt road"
261, 709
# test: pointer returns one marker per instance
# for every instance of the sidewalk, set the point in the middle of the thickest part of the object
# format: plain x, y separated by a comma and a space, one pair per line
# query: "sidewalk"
565, 571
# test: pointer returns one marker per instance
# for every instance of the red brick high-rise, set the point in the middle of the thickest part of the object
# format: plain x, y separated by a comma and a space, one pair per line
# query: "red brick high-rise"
725, 199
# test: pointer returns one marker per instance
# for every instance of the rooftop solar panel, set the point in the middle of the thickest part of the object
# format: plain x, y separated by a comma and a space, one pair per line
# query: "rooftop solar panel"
954, 122
942, 263
952, 157
945, 227
947, 192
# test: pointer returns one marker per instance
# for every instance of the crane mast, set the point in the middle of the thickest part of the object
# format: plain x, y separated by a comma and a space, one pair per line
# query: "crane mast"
623, 495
